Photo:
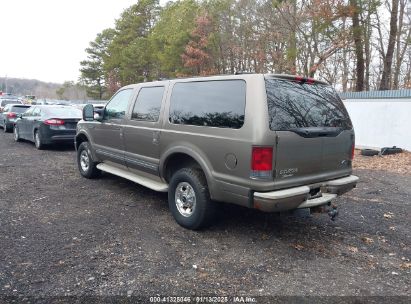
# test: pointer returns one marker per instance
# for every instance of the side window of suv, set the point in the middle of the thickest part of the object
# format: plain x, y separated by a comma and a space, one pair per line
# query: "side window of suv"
117, 106
148, 104
209, 103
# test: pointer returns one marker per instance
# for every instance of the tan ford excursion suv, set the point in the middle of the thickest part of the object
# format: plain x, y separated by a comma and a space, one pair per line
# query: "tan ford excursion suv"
270, 142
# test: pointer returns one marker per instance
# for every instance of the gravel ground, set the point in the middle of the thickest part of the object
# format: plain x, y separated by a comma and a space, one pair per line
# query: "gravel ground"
61, 234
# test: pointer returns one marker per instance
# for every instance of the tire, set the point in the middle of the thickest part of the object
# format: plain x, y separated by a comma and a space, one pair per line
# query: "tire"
16, 134
389, 151
189, 199
38, 141
85, 162
5, 129
369, 152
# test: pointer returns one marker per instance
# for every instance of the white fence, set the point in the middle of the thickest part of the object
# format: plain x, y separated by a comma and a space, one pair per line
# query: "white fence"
381, 122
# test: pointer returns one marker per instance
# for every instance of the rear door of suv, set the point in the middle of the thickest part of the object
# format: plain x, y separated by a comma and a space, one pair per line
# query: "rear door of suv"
142, 129
315, 137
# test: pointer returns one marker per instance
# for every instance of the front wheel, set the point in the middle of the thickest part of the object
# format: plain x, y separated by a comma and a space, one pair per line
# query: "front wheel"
189, 199
16, 134
86, 165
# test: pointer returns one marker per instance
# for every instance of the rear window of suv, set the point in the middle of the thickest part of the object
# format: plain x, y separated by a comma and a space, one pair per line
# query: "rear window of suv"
216, 103
294, 105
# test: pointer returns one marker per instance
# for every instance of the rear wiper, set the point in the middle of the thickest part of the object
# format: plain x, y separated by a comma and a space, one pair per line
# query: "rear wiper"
311, 132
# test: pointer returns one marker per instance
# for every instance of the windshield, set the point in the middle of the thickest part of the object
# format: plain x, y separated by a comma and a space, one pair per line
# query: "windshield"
294, 105
62, 112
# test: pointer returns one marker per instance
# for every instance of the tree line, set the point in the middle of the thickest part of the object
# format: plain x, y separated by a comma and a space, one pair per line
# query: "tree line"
356, 45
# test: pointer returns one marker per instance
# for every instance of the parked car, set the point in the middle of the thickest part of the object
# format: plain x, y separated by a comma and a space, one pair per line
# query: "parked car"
8, 99
97, 106
270, 142
9, 115
47, 124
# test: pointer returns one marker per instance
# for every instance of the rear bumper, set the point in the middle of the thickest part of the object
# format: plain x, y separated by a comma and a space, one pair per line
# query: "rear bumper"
56, 138
50, 136
299, 197
9, 125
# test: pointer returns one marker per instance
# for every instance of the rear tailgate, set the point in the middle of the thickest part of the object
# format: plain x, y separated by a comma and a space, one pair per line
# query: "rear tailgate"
314, 132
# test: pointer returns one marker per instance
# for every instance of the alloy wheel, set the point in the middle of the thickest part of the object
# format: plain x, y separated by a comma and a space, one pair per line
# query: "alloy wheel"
185, 199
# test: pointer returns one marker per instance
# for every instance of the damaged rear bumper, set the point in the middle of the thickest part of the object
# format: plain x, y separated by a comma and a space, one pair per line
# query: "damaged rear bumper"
303, 196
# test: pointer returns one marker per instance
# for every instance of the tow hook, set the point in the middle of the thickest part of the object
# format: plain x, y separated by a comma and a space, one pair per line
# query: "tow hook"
333, 212
330, 209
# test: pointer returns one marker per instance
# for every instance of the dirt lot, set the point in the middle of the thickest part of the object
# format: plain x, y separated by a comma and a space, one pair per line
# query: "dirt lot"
61, 234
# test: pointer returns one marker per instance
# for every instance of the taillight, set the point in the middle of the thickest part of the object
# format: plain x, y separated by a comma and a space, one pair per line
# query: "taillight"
54, 122
262, 162
11, 115
303, 79
352, 151
299, 78
310, 81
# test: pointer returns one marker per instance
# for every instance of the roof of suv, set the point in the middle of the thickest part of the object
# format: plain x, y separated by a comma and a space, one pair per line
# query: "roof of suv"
235, 76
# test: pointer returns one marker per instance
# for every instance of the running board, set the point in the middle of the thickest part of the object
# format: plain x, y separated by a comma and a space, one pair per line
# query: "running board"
144, 181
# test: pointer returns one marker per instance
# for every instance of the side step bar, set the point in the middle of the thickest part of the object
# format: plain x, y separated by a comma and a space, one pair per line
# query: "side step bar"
144, 181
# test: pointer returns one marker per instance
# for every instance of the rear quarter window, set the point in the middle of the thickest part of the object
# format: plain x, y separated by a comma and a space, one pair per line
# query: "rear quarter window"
218, 104
293, 105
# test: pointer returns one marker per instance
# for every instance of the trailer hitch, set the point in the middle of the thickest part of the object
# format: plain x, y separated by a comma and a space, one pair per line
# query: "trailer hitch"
330, 209
333, 212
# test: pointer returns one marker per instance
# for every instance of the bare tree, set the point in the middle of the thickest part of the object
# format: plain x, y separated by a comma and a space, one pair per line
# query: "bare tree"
387, 64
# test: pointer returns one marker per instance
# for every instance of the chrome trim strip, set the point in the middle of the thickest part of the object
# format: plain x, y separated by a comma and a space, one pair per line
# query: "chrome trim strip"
142, 163
100, 151
276, 195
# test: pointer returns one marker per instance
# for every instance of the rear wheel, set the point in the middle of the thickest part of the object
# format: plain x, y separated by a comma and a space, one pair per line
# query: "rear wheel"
189, 199
85, 162
5, 129
16, 133
38, 140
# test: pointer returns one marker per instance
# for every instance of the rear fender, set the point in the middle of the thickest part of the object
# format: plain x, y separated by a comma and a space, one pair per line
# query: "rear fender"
194, 153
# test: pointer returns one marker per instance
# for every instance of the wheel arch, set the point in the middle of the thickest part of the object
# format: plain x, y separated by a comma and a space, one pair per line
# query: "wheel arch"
180, 157
80, 138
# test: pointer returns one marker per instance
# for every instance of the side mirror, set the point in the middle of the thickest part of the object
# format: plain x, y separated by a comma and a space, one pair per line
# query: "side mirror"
98, 114
88, 112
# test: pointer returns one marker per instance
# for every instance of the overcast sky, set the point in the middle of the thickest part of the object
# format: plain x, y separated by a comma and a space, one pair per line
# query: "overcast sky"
45, 39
